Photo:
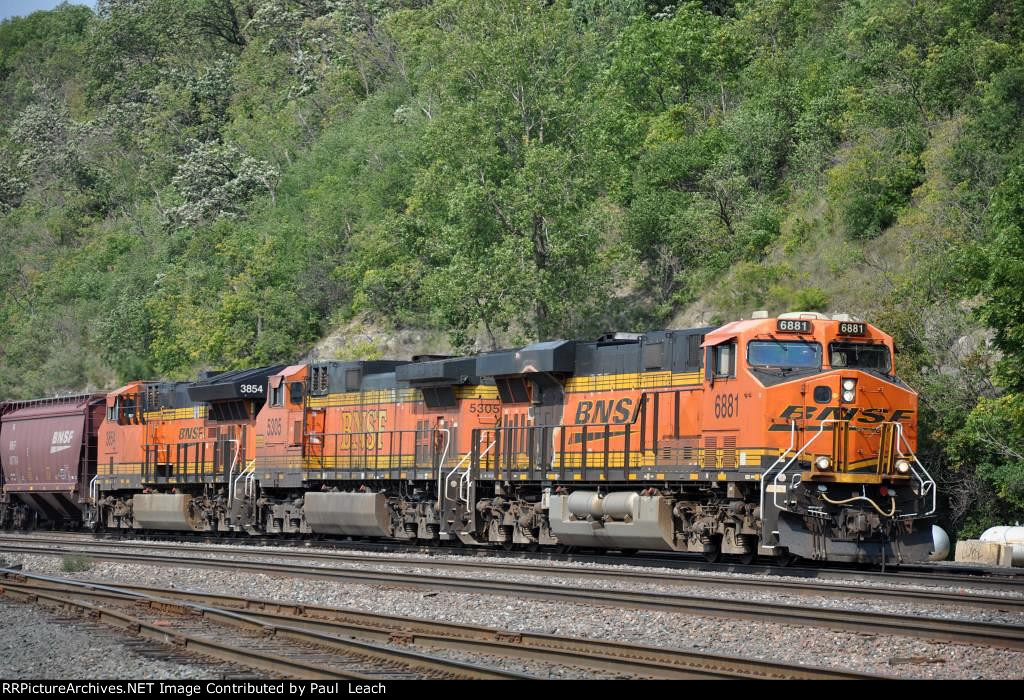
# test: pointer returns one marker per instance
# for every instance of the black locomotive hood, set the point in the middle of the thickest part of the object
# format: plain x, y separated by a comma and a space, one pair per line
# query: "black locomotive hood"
236, 384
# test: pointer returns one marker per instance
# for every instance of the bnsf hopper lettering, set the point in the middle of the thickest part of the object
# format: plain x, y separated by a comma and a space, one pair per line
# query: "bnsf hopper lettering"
61, 440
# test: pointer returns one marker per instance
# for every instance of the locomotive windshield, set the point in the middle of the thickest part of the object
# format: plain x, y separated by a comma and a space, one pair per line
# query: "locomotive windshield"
860, 355
783, 354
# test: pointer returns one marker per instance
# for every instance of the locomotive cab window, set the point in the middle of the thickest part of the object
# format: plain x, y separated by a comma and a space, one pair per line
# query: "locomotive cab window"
860, 356
127, 410
723, 360
789, 354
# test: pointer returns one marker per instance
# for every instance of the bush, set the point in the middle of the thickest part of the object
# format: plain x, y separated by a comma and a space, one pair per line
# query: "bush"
868, 190
74, 563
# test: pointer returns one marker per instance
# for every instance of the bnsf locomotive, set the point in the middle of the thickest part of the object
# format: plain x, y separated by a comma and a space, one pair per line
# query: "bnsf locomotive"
780, 437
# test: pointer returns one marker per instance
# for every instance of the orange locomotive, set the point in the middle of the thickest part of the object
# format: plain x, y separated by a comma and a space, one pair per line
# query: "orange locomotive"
170, 452
357, 448
783, 437
788, 436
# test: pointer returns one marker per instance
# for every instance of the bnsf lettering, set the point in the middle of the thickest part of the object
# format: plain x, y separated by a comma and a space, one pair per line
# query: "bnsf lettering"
191, 433
859, 415
361, 430
63, 437
601, 412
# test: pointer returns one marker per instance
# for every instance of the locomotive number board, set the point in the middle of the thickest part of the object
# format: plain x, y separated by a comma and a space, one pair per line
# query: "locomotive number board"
792, 325
850, 328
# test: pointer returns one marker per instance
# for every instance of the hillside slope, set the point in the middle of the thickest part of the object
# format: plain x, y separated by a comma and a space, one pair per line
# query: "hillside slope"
196, 183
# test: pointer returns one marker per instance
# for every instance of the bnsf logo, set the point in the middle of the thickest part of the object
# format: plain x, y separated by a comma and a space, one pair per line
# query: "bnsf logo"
190, 434
63, 437
610, 411
61, 440
859, 415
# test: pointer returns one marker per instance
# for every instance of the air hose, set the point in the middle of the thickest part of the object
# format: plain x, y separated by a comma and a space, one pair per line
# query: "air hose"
892, 511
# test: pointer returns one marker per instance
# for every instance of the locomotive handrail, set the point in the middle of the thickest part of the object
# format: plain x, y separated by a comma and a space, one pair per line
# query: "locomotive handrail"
926, 487
792, 460
764, 476
250, 479
379, 444
464, 480
94, 496
440, 464
231, 472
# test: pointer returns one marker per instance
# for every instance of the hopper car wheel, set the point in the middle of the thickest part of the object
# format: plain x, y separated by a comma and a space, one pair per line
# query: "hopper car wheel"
533, 547
748, 558
785, 560
508, 545
628, 552
712, 556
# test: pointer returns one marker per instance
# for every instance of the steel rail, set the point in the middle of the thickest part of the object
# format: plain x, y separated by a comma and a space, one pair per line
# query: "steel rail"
54, 593
956, 576
593, 654
800, 587
974, 632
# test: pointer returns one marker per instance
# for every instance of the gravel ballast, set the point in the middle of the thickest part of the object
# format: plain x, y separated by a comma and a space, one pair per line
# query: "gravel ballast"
887, 655
38, 645
394, 563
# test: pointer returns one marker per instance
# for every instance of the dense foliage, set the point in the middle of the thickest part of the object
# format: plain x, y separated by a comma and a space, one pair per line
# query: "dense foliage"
189, 183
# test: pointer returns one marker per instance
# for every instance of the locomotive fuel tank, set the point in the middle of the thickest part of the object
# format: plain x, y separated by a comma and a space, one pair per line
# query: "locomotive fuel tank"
618, 520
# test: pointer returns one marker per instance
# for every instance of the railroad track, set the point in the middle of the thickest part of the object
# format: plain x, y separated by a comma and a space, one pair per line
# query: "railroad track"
360, 636
798, 586
960, 576
973, 632
471, 564
277, 647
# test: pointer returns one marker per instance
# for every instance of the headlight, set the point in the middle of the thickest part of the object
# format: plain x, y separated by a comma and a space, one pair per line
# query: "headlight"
849, 384
823, 463
849, 396
902, 466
